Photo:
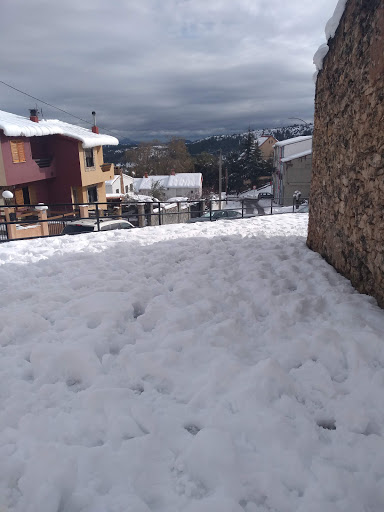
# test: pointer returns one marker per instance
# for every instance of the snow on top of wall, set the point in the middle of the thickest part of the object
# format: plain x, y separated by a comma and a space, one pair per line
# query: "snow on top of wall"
293, 140
297, 155
114, 196
330, 30
19, 126
333, 23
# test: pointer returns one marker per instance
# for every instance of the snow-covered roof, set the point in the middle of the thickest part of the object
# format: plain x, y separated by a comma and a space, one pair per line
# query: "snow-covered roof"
330, 30
112, 181
262, 139
181, 180
19, 126
117, 177
293, 140
147, 183
186, 179
297, 155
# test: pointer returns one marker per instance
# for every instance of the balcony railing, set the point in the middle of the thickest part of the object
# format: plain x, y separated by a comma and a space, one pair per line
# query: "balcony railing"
43, 162
107, 167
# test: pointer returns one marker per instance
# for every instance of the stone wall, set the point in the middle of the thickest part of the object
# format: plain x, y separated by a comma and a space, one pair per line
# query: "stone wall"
346, 222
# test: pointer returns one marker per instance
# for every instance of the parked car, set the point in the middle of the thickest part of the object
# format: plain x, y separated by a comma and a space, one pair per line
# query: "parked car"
217, 215
76, 227
265, 195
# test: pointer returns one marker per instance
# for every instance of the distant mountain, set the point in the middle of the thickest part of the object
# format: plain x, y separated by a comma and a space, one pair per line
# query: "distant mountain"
228, 143
128, 142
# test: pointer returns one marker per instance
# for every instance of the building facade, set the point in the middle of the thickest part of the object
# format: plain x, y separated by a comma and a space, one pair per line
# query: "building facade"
186, 184
51, 161
292, 163
266, 143
120, 184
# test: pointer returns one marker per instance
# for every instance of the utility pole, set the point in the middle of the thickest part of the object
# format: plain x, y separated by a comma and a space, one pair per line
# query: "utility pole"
121, 181
220, 178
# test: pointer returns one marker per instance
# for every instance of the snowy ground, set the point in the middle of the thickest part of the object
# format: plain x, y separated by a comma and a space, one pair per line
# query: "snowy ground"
210, 367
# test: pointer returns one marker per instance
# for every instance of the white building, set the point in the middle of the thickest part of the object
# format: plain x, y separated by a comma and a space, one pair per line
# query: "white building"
292, 161
115, 186
188, 184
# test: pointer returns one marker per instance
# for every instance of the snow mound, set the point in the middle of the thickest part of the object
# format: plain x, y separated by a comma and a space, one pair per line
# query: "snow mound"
208, 367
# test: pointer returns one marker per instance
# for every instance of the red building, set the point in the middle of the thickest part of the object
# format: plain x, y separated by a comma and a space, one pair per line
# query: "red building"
50, 161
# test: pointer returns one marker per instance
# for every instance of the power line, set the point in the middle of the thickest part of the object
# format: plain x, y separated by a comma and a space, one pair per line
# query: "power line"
45, 103
53, 106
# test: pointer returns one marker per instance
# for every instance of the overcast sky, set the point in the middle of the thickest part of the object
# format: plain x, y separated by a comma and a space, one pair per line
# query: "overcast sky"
158, 68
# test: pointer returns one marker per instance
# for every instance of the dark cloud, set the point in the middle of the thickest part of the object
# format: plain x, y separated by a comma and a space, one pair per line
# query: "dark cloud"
154, 69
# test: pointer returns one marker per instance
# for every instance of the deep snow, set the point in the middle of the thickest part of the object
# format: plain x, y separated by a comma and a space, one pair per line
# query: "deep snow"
210, 367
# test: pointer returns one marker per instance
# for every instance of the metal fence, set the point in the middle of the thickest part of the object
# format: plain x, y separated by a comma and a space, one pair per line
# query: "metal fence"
140, 214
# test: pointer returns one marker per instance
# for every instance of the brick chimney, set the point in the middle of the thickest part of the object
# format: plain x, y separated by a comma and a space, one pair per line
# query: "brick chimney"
33, 115
173, 173
95, 129
145, 175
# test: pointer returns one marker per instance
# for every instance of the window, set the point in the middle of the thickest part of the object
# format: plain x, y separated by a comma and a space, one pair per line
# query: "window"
89, 162
126, 189
17, 150
131, 187
92, 194
117, 191
26, 197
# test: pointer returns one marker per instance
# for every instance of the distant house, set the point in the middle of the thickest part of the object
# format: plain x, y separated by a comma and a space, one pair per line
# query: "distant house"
188, 184
118, 185
266, 143
51, 161
292, 169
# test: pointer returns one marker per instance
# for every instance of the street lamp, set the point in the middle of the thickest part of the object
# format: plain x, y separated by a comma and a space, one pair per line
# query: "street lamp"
7, 195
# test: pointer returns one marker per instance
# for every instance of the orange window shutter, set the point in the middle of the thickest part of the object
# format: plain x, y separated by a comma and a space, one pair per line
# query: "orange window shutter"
19, 198
15, 153
21, 151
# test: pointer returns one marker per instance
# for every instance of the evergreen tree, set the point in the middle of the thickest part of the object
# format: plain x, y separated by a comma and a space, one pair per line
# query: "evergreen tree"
235, 175
251, 162
207, 164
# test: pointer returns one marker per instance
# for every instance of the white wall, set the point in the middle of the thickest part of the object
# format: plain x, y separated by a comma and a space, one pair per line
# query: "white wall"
115, 188
297, 147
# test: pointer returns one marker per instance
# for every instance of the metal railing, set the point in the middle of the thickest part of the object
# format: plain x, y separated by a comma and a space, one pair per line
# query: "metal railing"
139, 213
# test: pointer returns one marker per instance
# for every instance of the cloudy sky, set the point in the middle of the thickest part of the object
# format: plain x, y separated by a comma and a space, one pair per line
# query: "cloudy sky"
158, 68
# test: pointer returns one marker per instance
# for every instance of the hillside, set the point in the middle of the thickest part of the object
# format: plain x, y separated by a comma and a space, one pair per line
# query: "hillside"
228, 143
114, 154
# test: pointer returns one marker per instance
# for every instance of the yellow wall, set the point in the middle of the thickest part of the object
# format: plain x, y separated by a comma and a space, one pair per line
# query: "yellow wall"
93, 175
82, 193
267, 147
